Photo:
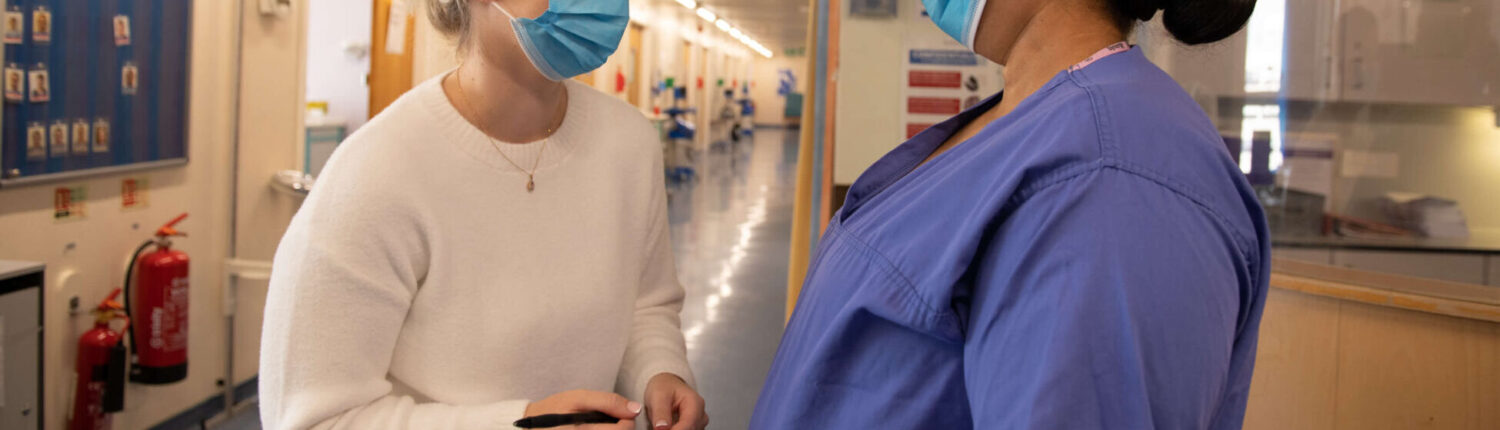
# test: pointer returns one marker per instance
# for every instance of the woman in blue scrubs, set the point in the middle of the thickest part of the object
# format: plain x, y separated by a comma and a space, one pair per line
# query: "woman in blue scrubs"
1077, 252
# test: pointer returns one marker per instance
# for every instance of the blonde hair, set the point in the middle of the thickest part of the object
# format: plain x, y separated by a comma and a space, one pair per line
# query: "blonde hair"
451, 17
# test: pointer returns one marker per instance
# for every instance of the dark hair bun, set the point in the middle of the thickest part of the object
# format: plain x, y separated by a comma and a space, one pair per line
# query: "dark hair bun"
1190, 21
1205, 21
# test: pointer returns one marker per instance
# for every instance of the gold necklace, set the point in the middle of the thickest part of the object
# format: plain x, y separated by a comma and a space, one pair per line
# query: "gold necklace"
530, 174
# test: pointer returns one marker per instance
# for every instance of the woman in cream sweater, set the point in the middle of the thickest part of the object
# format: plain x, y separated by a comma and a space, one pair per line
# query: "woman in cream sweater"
492, 246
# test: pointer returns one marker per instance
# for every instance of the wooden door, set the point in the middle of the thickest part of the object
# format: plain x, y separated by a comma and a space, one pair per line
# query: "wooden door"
390, 74
687, 65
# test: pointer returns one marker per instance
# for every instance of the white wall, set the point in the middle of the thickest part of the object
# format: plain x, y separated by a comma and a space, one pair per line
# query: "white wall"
102, 241
333, 74
270, 141
868, 114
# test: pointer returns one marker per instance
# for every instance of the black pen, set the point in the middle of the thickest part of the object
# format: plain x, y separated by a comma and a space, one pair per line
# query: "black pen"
559, 420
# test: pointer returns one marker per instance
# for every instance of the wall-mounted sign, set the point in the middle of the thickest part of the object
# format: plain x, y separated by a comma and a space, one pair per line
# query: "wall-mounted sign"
942, 79
133, 193
68, 203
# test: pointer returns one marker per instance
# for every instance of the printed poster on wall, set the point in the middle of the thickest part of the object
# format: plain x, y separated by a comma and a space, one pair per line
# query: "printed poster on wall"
101, 135
133, 193
59, 139
68, 203
36, 141
41, 25
940, 80
15, 30
122, 30
81, 137
15, 83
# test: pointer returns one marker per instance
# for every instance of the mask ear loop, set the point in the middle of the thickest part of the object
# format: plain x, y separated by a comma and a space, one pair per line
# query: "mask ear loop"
502, 10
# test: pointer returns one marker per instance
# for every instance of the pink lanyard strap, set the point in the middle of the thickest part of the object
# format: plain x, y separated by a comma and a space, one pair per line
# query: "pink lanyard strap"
1116, 48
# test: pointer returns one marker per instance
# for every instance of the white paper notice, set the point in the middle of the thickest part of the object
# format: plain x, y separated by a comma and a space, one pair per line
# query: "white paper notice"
1308, 164
395, 30
1370, 164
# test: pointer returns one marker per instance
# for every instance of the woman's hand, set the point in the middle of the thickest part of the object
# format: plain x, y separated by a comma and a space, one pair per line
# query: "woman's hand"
570, 402
673, 405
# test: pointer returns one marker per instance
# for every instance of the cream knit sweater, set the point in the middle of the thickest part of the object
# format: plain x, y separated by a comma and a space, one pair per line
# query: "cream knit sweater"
422, 286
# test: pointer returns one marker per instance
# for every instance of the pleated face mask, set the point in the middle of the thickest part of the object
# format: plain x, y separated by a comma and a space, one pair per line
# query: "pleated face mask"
958, 18
573, 37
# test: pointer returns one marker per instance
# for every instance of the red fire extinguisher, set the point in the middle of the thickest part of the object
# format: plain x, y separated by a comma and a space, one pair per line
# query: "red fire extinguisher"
158, 342
100, 369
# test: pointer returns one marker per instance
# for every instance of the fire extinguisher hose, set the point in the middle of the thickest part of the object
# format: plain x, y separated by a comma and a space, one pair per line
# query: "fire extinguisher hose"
130, 279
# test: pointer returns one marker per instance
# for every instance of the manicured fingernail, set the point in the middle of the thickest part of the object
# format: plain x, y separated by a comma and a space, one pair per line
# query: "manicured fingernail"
661, 424
635, 408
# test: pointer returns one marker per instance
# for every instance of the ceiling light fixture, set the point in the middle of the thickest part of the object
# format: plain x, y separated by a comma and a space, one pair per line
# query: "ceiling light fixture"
724, 26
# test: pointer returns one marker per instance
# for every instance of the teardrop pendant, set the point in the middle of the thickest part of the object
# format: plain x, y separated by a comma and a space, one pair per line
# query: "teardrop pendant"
530, 183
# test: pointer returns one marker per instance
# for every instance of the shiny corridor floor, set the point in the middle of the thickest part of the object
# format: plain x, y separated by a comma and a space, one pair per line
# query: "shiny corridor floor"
731, 228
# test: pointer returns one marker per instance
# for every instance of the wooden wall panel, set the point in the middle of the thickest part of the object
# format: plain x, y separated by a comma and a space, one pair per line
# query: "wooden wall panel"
1296, 368
1326, 363
1400, 369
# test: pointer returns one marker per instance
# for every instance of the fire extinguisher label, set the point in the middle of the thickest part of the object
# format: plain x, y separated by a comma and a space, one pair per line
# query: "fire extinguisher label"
169, 322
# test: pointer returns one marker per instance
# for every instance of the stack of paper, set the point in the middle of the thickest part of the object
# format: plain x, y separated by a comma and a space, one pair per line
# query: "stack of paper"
1432, 216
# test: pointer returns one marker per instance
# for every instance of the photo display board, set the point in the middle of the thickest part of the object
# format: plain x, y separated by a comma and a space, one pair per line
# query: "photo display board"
93, 85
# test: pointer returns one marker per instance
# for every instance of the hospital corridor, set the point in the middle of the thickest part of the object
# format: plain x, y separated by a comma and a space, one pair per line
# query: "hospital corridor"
749, 214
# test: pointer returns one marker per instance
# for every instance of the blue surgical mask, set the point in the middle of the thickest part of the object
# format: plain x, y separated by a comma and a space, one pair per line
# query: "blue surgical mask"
958, 18
573, 37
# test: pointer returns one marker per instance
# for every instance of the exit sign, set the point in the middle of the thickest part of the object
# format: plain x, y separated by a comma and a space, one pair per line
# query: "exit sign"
795, 52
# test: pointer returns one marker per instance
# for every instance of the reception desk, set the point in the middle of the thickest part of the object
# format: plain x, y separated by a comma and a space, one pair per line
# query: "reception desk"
1347, 348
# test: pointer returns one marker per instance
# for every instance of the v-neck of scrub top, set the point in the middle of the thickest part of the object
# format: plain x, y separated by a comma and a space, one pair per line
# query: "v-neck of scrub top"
907, 159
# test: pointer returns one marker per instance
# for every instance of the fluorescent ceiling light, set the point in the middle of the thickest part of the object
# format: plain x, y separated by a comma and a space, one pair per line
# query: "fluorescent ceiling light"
725, 26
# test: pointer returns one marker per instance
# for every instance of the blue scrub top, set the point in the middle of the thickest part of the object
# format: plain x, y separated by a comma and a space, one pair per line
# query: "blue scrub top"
1093, 259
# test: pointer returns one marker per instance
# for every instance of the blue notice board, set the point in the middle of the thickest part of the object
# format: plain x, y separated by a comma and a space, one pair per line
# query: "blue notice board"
104, 83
